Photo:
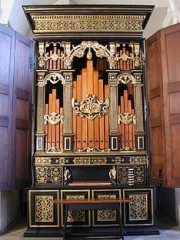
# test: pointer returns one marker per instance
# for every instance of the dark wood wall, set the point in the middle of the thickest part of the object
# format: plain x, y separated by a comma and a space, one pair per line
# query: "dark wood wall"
15, 108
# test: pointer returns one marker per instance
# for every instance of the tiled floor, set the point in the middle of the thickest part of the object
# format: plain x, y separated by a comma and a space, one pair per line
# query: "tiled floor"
168, 231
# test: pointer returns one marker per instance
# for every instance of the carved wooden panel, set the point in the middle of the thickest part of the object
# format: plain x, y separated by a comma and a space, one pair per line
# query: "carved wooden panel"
42, 211
140, 210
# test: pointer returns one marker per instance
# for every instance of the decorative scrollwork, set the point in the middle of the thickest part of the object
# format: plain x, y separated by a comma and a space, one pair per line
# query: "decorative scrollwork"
128, 149
126, 118
54, 150
125, 78
124, 57
53, 78
100, 51
90, 107
53, 118
44, 209
138, 207
88, 149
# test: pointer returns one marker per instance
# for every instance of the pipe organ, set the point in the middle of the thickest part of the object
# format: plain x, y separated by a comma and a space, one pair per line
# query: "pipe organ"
90, 116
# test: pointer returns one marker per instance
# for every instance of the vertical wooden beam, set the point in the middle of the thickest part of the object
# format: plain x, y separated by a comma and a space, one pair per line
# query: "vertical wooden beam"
40, 111
74, 115
79, 119
67, 97
113, 110
139, 127
106, 119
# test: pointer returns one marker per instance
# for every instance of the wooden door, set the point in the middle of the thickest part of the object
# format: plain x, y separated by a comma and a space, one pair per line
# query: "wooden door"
7, 42
15, 102
23, 69
163, 84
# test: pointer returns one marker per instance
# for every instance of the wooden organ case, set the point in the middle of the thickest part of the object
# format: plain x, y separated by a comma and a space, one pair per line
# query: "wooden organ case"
90, 119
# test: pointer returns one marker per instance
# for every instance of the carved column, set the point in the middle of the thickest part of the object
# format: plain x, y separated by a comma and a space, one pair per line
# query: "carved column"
139, 127
113, 113
67, 97
40, 111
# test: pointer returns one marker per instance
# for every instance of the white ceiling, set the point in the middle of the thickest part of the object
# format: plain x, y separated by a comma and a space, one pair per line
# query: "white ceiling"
166, 12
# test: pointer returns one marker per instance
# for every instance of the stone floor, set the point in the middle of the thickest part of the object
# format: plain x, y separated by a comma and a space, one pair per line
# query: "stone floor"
168, 231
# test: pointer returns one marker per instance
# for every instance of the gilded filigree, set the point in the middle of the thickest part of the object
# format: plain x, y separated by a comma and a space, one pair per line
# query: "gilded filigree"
126, 118
138, 207
88, 23
80, 50
44, 209
138, 160
90, 107
43, 161
88, 149
137, 59
106, 215
48, 174
76, 216
90, 160
53, 118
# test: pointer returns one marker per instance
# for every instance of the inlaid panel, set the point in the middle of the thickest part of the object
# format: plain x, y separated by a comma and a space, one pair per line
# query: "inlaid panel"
140, 210
42, 211
76, 217
107, 216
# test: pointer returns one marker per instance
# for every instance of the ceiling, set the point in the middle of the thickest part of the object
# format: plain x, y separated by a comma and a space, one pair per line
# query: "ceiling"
166, 12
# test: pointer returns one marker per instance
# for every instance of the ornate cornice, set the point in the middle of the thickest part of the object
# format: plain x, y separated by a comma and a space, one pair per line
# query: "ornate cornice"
71, 20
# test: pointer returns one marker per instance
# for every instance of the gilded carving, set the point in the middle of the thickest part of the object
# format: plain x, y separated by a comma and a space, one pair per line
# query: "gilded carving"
125, 78
53, 118
126, 118
131, 175
54, 150
88, 149
44, 209
41, 59
128, 149
138, 160
46, 161
137, 59
76, 216
100, 51
139, 174
88, 23
48, 174
89, 160
138, 207
106, 215
53, 78
90, 107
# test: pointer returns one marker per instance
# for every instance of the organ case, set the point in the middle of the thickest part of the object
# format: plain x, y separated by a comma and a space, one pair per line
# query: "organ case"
90, 121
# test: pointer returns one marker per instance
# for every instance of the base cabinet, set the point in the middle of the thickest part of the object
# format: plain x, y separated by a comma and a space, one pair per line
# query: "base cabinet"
43, 213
